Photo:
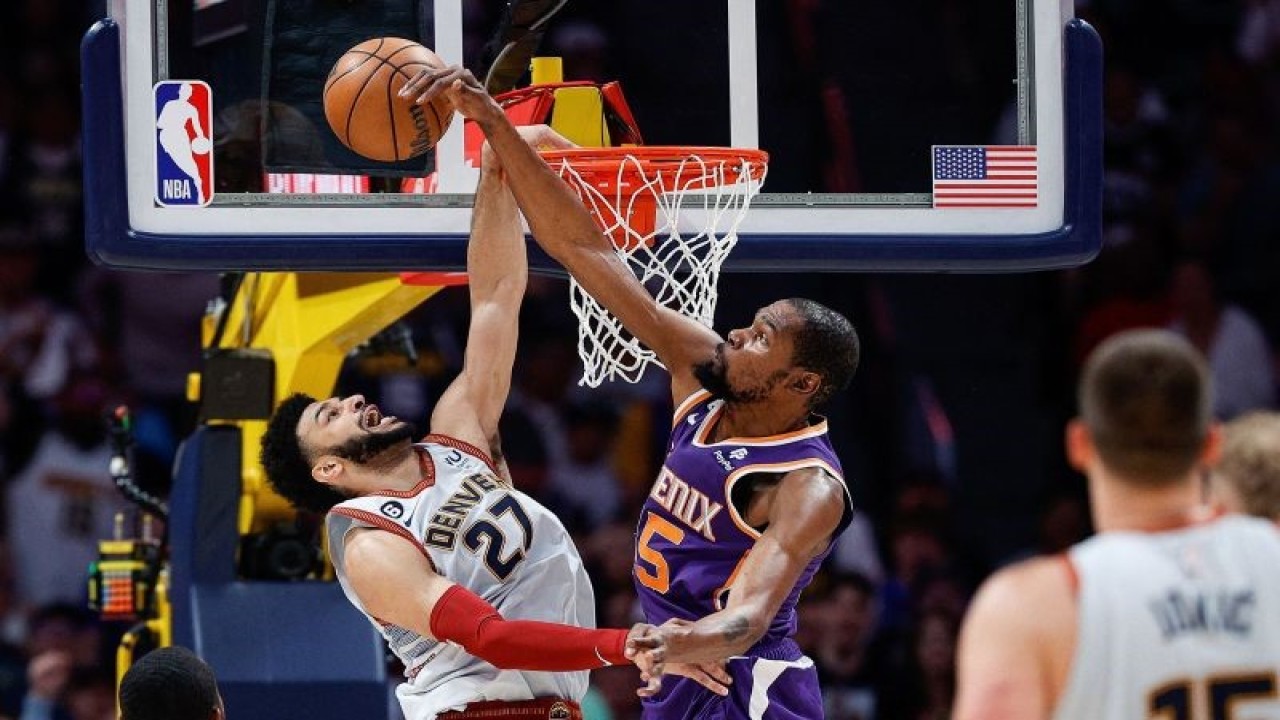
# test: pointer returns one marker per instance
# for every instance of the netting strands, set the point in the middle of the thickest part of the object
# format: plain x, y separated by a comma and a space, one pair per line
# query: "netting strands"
673, 215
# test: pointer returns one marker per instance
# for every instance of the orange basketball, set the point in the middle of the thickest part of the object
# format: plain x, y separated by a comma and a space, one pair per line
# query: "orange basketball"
362, 103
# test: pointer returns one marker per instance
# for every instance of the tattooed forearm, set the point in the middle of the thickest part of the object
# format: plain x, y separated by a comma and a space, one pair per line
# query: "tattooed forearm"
735, 628
713, 638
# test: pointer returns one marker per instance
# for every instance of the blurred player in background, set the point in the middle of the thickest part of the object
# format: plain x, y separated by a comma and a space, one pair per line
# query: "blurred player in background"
170, 683
1247, 478
751, 495
431, 541
1170, 611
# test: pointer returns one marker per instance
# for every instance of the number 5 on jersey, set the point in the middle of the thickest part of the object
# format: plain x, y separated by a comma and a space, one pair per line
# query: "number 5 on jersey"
659, 579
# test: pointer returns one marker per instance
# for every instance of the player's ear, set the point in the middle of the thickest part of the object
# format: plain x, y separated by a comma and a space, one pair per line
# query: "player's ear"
327, 469
1211, 451
1079, 445
806, 383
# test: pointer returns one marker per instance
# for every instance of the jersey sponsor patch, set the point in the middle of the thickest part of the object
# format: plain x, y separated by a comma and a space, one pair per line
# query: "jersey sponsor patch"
184, 143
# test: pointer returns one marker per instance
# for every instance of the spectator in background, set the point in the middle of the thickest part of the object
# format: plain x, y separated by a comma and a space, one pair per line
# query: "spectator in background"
586, 489
47, 679
1259, 38
1247, 478
149, 327
918, 551
91, 694
63, 501
1229, 338
923, 687
848, 659
532, 424
49, 166
170, 684
64, 676
40, 343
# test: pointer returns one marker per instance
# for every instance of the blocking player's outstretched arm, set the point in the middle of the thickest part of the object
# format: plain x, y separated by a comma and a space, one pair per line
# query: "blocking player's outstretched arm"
564, 228
497, 272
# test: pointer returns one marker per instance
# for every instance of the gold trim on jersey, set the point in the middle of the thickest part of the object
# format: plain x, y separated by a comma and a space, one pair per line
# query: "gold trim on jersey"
683, 409
382, 523
462, 446
709, 423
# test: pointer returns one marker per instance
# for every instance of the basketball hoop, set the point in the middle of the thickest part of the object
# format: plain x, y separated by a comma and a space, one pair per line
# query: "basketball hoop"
673, 215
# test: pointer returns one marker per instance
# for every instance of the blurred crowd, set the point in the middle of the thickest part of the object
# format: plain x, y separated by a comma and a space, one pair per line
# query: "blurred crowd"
950, 436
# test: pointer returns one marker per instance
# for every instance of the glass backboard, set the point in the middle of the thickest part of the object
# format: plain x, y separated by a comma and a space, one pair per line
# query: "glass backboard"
874, 115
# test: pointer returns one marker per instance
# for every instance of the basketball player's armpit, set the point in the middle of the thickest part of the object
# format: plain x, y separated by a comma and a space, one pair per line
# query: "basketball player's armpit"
465, 618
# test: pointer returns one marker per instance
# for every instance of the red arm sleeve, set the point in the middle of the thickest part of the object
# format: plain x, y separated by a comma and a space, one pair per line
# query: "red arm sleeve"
463, 617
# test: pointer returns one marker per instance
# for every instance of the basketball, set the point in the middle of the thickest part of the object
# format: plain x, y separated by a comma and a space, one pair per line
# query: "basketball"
201, 145
364, 108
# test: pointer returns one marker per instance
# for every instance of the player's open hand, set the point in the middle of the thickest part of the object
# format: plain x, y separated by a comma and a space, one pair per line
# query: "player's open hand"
455, 82
711, 676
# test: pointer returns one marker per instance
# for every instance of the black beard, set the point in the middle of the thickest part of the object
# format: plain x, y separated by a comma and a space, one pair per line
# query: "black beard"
363, 448
713, 374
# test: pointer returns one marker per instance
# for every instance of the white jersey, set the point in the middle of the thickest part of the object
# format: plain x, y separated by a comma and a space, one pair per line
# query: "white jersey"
491, 539
1182, 625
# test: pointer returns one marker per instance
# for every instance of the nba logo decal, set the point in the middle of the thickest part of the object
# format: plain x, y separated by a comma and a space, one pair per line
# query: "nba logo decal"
184, 144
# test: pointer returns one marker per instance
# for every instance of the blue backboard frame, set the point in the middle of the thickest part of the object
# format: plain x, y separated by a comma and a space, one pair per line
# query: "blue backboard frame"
110, 240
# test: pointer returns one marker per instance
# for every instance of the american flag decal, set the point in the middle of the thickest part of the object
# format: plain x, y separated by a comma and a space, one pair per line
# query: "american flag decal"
984, 176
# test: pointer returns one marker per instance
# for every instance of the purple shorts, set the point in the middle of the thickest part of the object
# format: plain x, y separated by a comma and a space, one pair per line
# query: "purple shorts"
774, 680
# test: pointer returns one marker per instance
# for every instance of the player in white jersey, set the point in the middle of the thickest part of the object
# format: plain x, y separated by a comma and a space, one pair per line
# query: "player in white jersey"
1170, 611
431, 541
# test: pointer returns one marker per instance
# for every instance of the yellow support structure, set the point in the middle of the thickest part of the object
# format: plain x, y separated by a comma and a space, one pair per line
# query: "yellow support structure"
309, 322
159, 627
578, 114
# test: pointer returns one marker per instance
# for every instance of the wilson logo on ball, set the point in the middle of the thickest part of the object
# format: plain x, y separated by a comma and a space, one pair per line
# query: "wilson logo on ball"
363, 105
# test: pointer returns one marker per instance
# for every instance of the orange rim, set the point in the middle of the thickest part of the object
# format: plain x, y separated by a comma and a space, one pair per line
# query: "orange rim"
611, 166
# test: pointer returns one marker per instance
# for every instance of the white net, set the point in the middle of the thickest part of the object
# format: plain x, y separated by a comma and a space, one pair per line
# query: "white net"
673, 217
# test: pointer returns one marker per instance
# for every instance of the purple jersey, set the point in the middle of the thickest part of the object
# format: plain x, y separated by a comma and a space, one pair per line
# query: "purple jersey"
691, 540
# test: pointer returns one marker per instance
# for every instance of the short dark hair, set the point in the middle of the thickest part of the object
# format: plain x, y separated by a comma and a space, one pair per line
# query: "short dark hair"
1145, 396
170, 683
826, 344
288, 465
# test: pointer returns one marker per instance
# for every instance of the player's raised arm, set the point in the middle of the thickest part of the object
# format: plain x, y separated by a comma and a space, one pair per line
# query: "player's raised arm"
497, 272
564, 228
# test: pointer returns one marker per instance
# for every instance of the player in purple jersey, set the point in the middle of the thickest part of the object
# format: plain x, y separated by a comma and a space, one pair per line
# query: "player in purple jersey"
751, 496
